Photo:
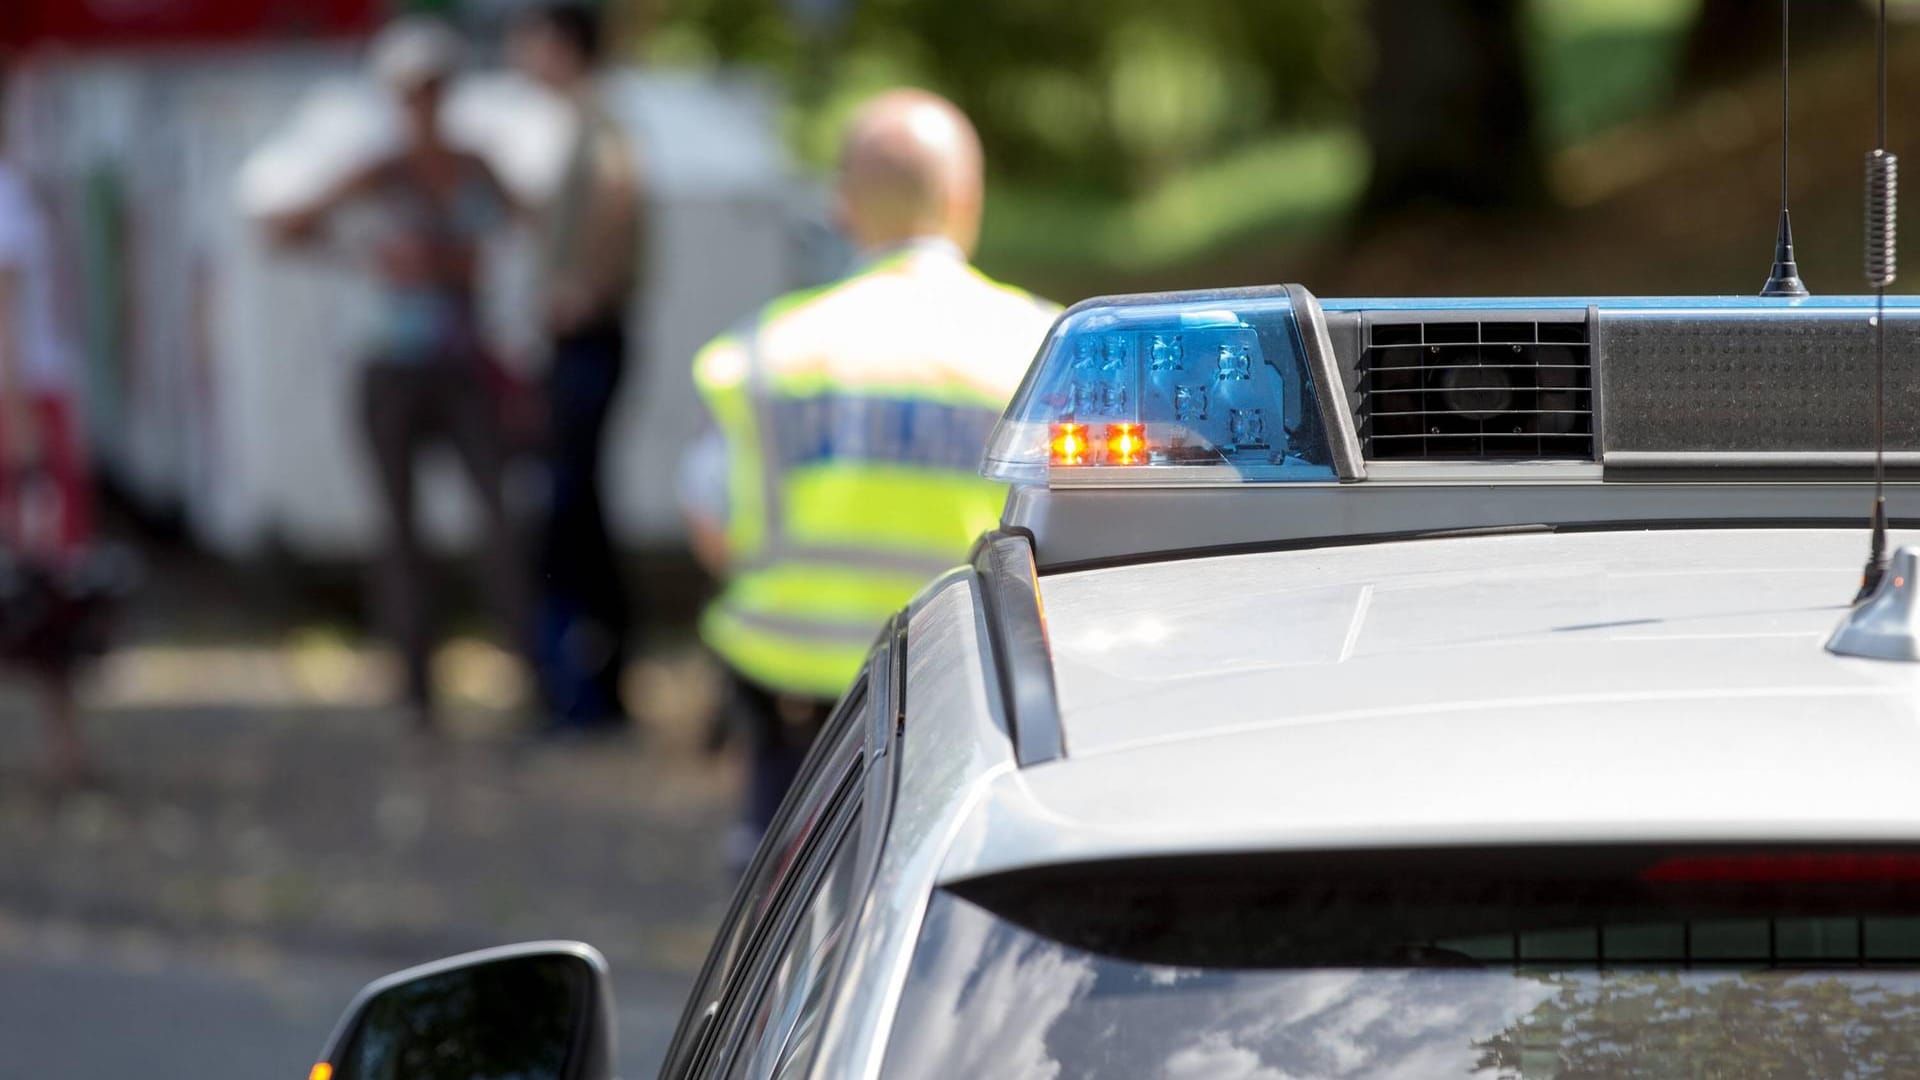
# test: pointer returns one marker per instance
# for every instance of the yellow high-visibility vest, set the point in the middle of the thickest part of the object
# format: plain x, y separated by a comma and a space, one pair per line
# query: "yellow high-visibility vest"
855, 416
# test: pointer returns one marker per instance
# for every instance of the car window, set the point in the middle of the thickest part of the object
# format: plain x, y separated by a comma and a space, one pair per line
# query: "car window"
826, 777
1530, 964
784, 1028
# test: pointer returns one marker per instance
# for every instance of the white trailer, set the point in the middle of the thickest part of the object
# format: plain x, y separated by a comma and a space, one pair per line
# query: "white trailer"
221, 374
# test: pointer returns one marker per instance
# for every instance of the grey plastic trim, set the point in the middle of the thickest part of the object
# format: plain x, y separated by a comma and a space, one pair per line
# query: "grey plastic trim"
1080, 528
342, 1029
1482, 472
1885, 626
1401, 316
1171, 477
1330, 390
1347, 332
886, 690
1668, 462
1020, 654
1596, 382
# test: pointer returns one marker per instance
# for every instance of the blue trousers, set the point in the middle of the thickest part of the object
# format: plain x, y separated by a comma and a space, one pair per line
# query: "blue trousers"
584, 617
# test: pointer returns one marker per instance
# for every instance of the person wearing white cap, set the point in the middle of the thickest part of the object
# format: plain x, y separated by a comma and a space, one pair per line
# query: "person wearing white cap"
427, 381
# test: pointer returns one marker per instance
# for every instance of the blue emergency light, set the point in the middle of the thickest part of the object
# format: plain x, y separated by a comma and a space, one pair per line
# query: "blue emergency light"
1215, 384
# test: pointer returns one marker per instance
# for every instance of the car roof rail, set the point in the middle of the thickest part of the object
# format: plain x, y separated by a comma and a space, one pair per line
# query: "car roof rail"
1021, 657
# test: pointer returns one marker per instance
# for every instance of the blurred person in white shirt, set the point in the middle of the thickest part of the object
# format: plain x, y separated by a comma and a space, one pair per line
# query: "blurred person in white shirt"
590, 239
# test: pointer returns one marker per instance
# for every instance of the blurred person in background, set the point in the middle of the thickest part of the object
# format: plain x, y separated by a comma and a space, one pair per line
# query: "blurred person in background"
590, 238
427, 380
44, 504
849, 425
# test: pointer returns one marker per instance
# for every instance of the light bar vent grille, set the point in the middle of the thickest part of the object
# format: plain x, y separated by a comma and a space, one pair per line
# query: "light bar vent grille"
1464, 390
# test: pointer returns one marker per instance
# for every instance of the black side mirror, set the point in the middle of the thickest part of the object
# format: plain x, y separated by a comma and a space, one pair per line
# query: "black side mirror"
540, 1011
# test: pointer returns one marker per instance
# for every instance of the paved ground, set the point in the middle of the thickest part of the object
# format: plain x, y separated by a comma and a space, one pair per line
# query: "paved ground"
79, 1010
268, 838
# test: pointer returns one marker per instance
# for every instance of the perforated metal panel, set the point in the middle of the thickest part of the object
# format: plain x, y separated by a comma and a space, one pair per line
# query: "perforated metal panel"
1755, 385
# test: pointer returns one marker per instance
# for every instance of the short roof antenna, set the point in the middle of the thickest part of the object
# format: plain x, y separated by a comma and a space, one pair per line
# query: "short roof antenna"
1883, 188
1785, 279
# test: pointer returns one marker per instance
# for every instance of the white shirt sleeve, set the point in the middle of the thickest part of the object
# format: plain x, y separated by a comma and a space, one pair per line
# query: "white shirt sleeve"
19, 224
25, 250
702, 478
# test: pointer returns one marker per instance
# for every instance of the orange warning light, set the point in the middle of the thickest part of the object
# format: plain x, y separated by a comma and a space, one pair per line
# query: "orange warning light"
1126, 444
1069, 444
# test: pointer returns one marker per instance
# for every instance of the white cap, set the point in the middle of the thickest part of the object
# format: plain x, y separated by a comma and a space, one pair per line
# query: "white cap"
415, 50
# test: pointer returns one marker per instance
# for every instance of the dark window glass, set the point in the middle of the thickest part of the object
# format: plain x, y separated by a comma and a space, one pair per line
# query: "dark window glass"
516, 1019
785, 1028
1474, 965
835, 755
829, 770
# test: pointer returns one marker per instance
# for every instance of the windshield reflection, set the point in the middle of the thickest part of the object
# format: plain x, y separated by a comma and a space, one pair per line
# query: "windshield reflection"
1056, 1012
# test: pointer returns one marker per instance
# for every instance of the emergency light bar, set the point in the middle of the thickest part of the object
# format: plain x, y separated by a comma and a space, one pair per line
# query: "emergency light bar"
1273, 386
1143, 416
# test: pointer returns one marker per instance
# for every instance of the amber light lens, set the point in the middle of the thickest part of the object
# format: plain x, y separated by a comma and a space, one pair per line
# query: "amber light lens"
321, 1071
1069, 444
1126, 444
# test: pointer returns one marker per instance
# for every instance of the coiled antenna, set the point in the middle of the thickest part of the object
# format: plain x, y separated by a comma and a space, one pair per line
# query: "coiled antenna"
1883, 191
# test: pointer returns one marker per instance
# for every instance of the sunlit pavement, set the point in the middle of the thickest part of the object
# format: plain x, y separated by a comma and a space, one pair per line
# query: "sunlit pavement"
268, 838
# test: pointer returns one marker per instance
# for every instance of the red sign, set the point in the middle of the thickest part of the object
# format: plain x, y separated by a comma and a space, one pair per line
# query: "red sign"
169, 22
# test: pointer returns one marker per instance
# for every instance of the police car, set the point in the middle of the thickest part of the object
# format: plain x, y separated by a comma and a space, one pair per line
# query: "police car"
1356, 688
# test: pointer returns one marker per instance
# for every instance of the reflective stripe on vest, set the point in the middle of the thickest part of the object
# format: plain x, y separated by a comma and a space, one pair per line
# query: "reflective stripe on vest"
847, 498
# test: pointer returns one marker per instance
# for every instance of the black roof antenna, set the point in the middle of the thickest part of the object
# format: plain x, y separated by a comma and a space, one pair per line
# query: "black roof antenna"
1785, 279
1883, 185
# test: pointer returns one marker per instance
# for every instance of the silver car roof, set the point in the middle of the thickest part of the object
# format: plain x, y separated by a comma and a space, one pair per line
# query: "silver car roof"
1561, 688
1590, 627
1602, 687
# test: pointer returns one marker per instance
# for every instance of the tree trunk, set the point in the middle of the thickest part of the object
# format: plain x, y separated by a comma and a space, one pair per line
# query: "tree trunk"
1449, 113
1732, 38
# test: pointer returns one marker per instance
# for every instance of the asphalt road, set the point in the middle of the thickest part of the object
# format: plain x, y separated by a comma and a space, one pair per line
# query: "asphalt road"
269, 837
84, 1011
251, 862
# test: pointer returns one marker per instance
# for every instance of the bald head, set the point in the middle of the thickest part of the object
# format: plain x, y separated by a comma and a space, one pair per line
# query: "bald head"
910, 167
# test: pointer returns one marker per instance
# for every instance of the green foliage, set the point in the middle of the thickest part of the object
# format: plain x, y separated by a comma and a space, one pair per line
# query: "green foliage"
1755, 1026
1133, 136
1291, 182
1109, 95
1597, 62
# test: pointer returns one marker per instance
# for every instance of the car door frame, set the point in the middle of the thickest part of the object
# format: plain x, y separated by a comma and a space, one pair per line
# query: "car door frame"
856, 745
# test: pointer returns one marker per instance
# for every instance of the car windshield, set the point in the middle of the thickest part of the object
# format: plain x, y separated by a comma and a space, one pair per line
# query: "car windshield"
1197, 975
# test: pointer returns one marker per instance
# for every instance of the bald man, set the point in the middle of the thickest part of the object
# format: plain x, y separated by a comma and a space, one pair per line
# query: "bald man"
849, 426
